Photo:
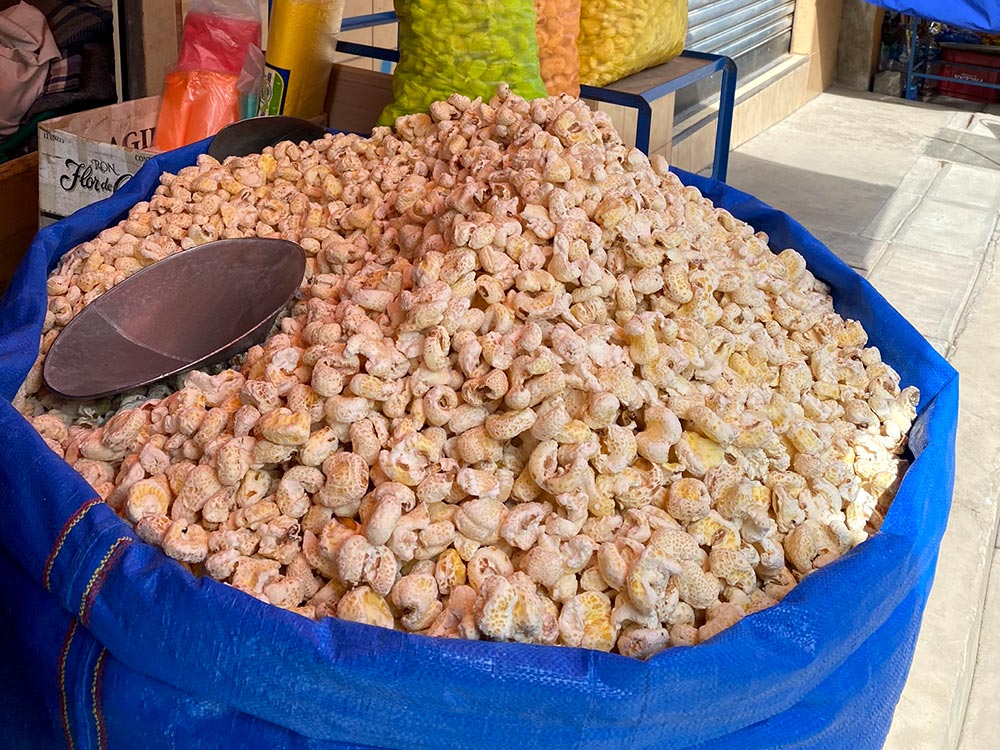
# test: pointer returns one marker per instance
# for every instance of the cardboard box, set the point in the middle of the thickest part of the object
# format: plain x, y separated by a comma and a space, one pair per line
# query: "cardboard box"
355, 98
86, 156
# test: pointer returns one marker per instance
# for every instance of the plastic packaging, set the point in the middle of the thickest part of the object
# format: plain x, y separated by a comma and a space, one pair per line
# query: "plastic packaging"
454, 46
302, 38
200, 94
195, 105
217, 42
558, 56
214, 103
105, 642
175, 111
622, 37
250, 82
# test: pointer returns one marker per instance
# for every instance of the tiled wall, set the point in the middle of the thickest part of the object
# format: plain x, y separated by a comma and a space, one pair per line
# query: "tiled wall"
379, 36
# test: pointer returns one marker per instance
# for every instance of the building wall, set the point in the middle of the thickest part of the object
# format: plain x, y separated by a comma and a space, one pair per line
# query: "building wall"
810, 69
815, 33
860, 44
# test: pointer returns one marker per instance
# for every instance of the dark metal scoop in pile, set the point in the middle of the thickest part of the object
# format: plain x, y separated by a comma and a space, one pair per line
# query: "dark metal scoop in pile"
191, 309
254, 135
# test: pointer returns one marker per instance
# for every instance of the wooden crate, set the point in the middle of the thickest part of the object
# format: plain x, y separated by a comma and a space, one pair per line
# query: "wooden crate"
18, 212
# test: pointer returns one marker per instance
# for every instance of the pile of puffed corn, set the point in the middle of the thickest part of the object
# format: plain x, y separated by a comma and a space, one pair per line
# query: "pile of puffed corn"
533, 389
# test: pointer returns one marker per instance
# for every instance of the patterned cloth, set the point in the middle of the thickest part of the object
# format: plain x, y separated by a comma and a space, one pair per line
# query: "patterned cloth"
75, 24
64, 74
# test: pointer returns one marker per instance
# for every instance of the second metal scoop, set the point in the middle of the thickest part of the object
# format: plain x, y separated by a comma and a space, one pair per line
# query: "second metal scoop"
192, 309
252, 136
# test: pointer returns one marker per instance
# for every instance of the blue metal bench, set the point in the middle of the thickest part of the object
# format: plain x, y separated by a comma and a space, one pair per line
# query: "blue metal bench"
637, 91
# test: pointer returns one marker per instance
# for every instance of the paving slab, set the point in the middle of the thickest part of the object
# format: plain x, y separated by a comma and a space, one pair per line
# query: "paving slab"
921, 175
893, 214
979, 730
964, 148
961, 120
860, 119
969, 185
824, 152
949, 228
978, 123
881, 141
817, 200
911, 279
861, 253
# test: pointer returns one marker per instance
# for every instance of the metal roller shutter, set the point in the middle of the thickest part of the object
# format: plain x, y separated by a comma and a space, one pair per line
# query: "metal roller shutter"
755, 33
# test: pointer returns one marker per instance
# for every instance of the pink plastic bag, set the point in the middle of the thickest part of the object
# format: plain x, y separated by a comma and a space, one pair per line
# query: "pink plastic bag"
218, 43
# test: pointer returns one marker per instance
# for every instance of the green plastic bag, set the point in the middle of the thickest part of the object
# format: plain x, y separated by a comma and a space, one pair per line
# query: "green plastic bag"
622, 37
449, 46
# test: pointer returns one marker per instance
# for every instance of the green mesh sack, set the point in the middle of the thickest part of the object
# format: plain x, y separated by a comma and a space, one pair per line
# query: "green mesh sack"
449, 46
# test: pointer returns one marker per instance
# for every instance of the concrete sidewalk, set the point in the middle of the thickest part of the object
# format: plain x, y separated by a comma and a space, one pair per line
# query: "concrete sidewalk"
909, 195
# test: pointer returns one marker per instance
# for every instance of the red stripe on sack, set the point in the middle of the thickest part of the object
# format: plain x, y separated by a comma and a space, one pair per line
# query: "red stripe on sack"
63, 698
98, 576
95, 692
72, 521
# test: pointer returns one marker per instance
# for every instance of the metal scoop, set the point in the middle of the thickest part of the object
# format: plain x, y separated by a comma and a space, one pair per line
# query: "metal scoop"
251, 136
192, 309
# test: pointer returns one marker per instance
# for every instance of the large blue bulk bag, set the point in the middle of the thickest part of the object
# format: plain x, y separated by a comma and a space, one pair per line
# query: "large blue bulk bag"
977, 15
105, 642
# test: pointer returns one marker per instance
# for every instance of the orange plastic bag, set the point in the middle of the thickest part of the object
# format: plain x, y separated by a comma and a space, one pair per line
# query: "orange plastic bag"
175, 112
557, 30
214, 103
195, 105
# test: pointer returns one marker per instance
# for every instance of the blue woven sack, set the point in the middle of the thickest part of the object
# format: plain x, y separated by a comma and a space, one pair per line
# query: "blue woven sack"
107, 643
977, 15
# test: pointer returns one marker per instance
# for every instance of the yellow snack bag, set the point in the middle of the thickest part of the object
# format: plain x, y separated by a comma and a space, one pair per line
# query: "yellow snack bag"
622, 37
